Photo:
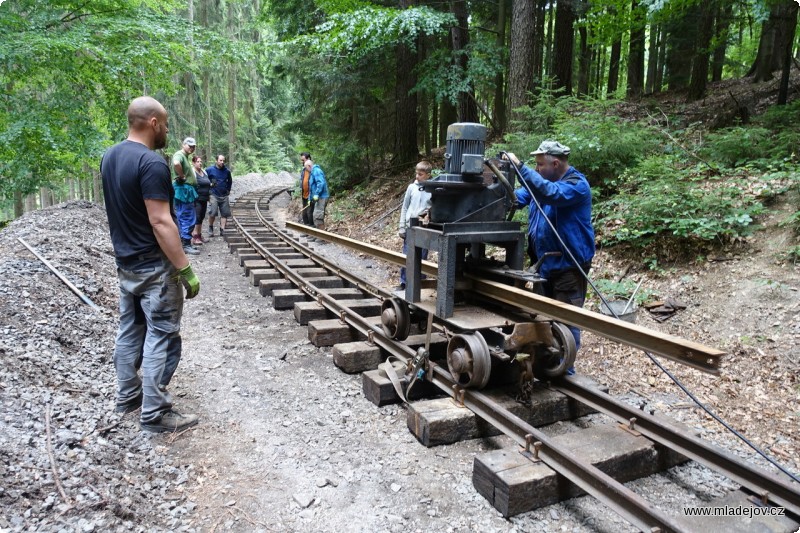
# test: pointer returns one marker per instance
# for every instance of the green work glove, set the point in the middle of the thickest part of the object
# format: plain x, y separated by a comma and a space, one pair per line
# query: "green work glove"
190, 281
316, 197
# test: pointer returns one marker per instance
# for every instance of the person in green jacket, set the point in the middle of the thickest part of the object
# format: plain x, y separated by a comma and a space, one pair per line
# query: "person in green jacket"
185, 185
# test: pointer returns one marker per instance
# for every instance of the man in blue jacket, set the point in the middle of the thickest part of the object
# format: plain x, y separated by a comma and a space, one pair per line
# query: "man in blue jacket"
566, 201
318, 186
221, 182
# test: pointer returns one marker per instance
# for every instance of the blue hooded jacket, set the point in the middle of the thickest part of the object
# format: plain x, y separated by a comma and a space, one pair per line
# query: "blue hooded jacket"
568, 205
317, 184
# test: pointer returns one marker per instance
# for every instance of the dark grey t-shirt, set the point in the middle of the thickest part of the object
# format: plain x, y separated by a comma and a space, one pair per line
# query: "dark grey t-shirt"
131, 174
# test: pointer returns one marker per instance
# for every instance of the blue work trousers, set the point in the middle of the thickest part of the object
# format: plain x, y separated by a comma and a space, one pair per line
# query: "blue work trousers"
150, 309
186, 218
423, 254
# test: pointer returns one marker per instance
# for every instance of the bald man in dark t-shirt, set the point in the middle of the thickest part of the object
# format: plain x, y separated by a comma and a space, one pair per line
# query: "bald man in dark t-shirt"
152, 267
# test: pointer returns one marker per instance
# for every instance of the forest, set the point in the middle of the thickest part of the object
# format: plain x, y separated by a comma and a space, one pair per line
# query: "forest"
369, 87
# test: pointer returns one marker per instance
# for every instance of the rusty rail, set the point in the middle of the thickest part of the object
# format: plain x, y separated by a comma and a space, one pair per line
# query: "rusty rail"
680, 350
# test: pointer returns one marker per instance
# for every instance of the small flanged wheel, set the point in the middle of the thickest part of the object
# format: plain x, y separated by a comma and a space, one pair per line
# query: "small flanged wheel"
553, 361
395, 319
469, 360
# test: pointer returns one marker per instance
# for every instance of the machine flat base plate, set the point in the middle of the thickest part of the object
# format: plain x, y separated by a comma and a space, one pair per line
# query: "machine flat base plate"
465, 316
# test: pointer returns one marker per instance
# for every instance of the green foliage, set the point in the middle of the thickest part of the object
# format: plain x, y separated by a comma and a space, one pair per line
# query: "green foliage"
354, 35
773, 136
669, 209
602, 143
622, 290
57, 115
350, 205
342, 160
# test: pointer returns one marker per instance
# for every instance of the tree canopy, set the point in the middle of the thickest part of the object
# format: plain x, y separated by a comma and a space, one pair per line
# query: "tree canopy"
363, 85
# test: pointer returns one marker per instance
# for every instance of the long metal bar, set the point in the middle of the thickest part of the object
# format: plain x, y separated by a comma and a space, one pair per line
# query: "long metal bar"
669, 346
85, 299
680, 350
777, 490
593, 481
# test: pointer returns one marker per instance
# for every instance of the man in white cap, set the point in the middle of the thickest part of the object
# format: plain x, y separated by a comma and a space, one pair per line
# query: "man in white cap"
566, 201
185, 184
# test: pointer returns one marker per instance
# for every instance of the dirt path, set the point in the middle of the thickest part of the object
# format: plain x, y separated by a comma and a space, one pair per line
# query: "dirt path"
287, 442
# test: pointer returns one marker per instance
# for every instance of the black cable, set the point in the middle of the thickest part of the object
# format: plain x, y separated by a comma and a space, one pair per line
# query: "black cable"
674, 379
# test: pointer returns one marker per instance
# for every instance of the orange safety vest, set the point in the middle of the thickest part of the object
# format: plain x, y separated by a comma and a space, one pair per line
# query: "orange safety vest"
305, 182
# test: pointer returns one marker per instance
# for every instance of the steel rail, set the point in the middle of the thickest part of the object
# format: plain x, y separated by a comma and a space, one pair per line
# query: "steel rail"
763, 483
298, 280
695, 355
592, 480
623, 501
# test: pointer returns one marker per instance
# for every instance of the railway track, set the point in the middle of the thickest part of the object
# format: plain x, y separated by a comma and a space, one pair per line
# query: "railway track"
343, 310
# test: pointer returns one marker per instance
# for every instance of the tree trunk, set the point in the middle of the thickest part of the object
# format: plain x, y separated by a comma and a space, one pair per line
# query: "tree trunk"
447, 116
19, 206
208, 149
680, 37
520, 81
564, 44
636, 53
791, 27
662, 54
231, 98
548, 45
499, 81
652, 59
779, 27
459, 34
539, 16
44, 198
406, 150
434, 133
97, 187
613, 67
705, 26
584, 62
721, 31
188, 76
599, 62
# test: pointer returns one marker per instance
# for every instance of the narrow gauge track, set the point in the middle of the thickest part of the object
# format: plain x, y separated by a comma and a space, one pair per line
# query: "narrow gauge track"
261, 234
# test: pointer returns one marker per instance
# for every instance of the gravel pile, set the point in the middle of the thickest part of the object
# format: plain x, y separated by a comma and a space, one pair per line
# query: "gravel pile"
66, 460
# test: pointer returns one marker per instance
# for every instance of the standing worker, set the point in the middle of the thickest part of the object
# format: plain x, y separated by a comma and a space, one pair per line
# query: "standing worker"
318, 189
185, 184
566, 201
201, 204
305, 190
221, 183
152, 267
415, 202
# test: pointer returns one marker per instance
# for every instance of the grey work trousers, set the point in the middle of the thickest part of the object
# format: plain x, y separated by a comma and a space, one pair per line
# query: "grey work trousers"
150, 309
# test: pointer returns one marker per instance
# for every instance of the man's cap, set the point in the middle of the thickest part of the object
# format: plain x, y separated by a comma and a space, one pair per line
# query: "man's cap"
551, 148
189, 141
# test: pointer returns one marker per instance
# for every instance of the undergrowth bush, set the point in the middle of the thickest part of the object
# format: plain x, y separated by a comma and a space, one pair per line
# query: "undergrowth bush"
602, 143
665, 208
772, 137
621, 290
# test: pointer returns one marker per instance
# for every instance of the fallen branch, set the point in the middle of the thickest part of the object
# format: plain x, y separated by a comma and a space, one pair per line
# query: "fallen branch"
383, 216
677, 143
53, 465
174, 436
252, 521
